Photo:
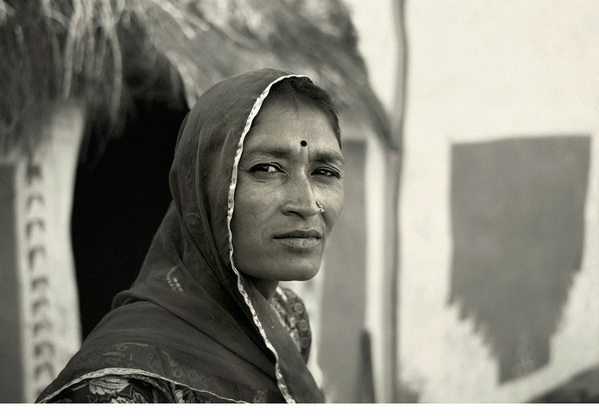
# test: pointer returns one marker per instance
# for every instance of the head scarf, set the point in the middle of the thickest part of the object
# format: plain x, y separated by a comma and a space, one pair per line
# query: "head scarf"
191, 317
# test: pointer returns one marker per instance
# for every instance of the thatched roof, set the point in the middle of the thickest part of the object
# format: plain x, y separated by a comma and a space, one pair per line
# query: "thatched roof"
108, 52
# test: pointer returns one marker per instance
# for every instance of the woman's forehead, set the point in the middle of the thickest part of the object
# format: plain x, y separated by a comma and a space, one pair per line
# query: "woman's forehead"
288, 117
284, 128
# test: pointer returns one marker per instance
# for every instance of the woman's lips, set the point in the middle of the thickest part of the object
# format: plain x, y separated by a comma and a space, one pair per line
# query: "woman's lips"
300, 238
301, 242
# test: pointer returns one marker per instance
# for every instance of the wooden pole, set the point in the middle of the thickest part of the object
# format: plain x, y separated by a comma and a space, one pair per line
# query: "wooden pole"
394, 166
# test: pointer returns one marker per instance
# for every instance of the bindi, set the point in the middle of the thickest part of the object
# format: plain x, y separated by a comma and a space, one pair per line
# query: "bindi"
304, 143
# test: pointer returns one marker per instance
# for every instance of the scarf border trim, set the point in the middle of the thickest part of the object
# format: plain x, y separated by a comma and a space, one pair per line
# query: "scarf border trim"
231, 207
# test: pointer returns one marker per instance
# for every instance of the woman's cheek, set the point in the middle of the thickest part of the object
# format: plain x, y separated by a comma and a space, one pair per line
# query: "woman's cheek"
334, 207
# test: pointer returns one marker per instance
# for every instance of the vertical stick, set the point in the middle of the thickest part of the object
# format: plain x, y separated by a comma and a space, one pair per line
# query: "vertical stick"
394, 168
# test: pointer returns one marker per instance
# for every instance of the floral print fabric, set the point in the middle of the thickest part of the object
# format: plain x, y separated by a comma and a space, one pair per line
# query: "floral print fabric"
291, 312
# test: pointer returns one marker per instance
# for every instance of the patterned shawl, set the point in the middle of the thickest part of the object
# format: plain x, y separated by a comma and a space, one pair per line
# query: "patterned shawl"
190, 317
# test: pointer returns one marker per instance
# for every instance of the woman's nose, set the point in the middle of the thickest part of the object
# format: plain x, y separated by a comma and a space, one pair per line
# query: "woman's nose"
300, 198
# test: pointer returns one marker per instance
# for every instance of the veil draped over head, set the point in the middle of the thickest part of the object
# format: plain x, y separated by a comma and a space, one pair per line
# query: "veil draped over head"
191, 318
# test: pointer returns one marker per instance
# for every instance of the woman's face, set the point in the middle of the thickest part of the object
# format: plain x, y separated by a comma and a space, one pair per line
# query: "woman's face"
291, 160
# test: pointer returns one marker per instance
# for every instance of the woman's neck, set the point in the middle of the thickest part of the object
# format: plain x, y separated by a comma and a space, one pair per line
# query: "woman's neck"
266, 287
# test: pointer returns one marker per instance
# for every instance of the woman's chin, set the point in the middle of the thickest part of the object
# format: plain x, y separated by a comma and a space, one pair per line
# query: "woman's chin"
283, 269
300, 272
288, 274
268, 285
299, 277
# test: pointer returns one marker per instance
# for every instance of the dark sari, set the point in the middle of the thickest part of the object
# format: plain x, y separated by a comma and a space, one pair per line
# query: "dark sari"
191, 320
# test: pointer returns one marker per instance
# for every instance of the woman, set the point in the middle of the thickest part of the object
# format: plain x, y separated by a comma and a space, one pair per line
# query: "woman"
257, 187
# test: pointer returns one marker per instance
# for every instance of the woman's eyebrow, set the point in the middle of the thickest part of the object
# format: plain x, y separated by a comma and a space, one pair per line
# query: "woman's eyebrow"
277, 152
320, 156
334, 158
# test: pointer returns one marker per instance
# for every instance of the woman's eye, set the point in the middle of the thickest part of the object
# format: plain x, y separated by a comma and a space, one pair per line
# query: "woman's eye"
265, 168
327, 172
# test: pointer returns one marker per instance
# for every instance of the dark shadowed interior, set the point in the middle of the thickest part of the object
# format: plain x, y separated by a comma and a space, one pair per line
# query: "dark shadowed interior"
119, 202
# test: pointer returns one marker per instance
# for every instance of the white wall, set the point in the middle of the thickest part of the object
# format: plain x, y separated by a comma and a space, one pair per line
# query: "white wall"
483, 71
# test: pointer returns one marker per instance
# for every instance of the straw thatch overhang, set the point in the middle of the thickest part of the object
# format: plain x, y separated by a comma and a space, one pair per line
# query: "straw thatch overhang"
108, 53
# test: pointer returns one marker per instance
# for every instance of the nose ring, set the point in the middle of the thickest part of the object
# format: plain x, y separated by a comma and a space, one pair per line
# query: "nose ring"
320, 207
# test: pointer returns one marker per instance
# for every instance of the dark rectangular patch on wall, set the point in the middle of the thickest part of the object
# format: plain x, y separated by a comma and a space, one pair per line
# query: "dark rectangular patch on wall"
517, 212
10, 336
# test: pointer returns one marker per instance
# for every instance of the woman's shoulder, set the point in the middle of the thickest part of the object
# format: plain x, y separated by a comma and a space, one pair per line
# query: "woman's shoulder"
113, 389
129, 389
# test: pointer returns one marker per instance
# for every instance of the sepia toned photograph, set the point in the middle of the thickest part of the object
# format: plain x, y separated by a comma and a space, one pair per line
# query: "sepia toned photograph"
299, 201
